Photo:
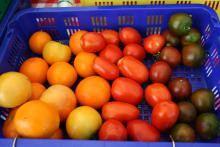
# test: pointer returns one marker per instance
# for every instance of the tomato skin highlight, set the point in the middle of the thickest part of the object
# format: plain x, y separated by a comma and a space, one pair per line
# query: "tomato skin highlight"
140, 130
127, 90
113, 130
164, 115
134, 50
134, 69
156, 93
112, 53
92, 42
129, 35
111, 36
105, 69
154, 43
120, 111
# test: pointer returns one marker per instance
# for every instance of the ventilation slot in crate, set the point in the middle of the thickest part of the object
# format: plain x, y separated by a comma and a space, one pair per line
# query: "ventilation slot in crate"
98, 29
109, 3
153, 30
129, 2
212, 4
4, 113
183, 2
99, 21
71, 31
45, 21
207, 31
125, 20
157, 2
154, 20
217, 98
71, 21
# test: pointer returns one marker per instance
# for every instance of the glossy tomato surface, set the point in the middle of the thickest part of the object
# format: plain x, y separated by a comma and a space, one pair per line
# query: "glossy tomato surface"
113, 130
92, 42
106, 69
111, 53
134, 50
111, 36
164, 115
127, 90
140, 130
156, 93
154, 43
134, 69
121, 111
129, 35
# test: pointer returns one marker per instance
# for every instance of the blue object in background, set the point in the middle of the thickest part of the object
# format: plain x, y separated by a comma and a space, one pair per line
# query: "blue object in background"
61, 23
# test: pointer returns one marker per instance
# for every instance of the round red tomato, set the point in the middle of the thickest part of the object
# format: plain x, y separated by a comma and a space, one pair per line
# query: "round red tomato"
111, 36
140, 130
134, 69
92, 42
156, 93
134, 50
121, 111
127, 90
154, 43
113, 130
106, 69
160, 72
164, 115
129, 35
112, 53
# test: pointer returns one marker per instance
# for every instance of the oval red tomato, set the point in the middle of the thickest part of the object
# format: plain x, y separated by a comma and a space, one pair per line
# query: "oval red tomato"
164, 115
111, 36
113, 130
129, 35
104, 68
134, 69
160, 72
112, 53
156, 93
92, 42
134, 50
154, 43
127, 90
121, 111
140, 130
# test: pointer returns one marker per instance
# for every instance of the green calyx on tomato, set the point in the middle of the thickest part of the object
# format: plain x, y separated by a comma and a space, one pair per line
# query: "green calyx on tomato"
192, 37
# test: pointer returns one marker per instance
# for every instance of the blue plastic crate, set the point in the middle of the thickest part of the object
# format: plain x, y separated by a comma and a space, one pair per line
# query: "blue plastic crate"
14, 6
62, 22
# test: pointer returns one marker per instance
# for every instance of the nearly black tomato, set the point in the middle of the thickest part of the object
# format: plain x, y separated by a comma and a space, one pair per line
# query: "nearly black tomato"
180, 88
171, 40
187, 112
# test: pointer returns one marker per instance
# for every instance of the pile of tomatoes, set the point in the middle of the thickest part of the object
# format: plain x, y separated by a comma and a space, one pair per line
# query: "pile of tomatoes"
109, 74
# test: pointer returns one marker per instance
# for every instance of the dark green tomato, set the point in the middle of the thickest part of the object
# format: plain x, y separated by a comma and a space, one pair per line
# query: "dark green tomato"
180, 88
183, 133
193, 55
187, 112
171, 40
203, 100
170, 55
180, 24
192, 37
207, 126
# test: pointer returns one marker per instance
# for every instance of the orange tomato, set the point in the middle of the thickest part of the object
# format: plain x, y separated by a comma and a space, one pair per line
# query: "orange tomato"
62, 98
36, 119
93, 91
38, 40
8, 129
35, 69
74, 42
83, 64
37, 90
58, 134
62, 73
